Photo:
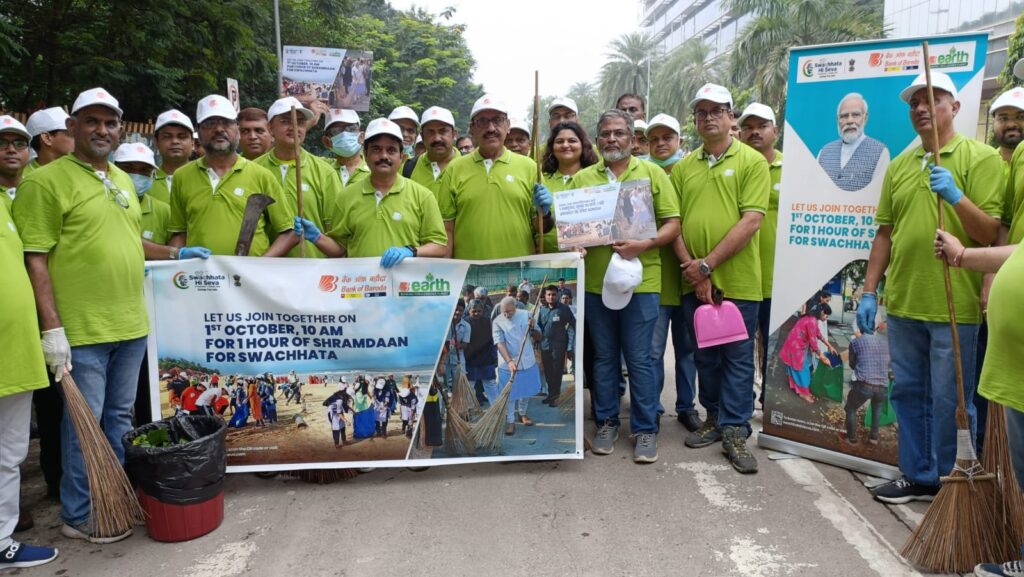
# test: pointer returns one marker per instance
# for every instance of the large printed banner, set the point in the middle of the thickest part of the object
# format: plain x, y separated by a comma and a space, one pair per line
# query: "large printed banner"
601, 215
339, 363
337, 76
835, 160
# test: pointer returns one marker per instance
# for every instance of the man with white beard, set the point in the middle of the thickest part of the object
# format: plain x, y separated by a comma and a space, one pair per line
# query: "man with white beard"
852, 161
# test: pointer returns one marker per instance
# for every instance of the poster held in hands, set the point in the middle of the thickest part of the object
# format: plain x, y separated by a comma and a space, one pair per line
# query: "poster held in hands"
601, 215
338, 77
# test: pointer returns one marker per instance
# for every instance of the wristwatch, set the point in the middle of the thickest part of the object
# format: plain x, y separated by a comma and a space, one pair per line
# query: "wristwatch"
705, 268
413, 249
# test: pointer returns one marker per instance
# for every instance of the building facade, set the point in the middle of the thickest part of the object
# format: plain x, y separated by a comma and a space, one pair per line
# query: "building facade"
673, 22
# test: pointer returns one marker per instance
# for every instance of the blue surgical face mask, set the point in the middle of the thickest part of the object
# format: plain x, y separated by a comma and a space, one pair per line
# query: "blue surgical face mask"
345, 144
142, 183
678, 154
409, 150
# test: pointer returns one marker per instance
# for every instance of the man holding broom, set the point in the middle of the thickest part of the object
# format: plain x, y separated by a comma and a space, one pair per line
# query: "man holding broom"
80, 223
970, 181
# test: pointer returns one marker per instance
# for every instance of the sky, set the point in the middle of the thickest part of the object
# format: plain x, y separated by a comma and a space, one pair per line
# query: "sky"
512, 39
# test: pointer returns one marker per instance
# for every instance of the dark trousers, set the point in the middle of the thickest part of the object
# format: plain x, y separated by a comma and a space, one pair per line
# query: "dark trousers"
861, 392
554, 363
143, 412
49, 412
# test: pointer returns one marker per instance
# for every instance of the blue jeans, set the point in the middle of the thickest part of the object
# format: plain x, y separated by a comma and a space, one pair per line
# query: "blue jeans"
627, 332
924, 395
1015, 430
726, 371
107, 374
686, 371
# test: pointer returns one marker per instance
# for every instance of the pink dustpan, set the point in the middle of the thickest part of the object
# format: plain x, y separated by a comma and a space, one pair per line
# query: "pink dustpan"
718, 324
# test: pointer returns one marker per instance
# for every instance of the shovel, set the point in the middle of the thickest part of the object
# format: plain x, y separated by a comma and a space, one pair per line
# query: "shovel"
718, 322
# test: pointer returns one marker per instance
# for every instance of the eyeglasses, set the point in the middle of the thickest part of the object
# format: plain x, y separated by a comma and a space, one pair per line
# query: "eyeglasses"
485, 122
562, 116
714, 113
1004, 117
19, 144
114, 193
610, 134
336, 131
215, 122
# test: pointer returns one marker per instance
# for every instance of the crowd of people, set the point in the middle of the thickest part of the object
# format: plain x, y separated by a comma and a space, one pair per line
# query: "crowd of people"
82, 218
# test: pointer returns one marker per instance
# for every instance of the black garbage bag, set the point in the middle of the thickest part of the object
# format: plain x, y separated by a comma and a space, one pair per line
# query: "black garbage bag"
180, 474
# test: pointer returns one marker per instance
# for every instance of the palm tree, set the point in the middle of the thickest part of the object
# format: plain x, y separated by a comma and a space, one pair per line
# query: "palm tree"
627, 67
685, 71
760, 55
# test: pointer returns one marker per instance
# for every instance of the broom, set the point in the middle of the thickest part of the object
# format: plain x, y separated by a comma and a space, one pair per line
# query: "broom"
298, 177
464, 401
537, 159
113, 506
323, 476
996, 458
458, 438
567, 400
957, 532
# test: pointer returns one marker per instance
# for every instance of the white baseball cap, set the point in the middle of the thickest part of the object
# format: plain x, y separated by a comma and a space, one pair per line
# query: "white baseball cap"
134, 152
436, 113
759, 110
662, 120
173, 116
284, 106
620, 280
10, 124
47, 120
404, 113
566, 102
940, 81
640, 126
519, 124
714, 93
340, 115
488, 102
1013, 97
217, 106
1018, 69
96, 96
379, 126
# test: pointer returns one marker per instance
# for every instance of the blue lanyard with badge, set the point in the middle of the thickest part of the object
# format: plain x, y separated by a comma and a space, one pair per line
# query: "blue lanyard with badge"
113, 192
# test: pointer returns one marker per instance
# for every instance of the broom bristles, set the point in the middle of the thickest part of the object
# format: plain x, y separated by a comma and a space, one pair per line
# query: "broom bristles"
463, 398
567, 400
457, 435
488, 432
323, 476
113, 505
996, 458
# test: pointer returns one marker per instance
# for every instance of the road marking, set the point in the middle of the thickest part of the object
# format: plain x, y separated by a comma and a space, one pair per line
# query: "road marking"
717, 493
912, 516
753, 560
230, 559
851, 524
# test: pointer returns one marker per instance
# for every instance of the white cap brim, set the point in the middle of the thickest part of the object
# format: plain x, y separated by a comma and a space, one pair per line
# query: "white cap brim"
1018, 69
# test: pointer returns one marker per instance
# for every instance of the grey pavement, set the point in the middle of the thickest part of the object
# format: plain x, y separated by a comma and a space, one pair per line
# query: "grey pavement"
687, 515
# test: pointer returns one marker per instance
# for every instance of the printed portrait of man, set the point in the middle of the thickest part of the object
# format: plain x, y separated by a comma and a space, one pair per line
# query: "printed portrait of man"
852, 160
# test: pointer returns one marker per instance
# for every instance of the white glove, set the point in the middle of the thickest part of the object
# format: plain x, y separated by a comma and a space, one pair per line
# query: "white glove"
57, 352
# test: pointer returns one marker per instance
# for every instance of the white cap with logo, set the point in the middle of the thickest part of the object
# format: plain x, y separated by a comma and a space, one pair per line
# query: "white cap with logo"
639, 126
379, 126
10, 124
135, 152
174, 117
488, 102
757, 110
438, 114
714, 93
47, 120
340, 115
404, 113
215, 106
564, 101
96, 97
284, 106
1013, 97
620, 280
665, 120
940, 81
519, 124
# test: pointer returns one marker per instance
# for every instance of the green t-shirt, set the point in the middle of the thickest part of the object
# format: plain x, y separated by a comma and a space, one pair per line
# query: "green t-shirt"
429, 173
1013, 201
161, 189
914, 289
556, 182
492, 209
769, 225
671, 274
21, 366
321, 186
7, 197
714, 198
96, 262
213, 218
665, 206
155, 214
361, 173
407, 215
1000, 374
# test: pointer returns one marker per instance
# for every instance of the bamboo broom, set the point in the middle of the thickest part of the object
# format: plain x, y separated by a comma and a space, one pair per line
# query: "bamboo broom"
537, 159
957, 531
298, 177
464, 400
113, 506
458, 439
996, 458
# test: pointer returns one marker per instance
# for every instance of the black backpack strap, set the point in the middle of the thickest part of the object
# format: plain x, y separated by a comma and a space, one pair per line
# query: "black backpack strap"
410, 165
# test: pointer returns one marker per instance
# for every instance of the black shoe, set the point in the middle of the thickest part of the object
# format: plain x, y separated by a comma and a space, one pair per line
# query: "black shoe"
690, 420
903, 490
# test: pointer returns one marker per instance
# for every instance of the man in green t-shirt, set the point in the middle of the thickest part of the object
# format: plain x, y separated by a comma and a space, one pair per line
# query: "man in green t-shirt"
758, 131
519, 140
14, 140
172, 138
724, 189
407, 120
490, 198
622, 286
386, 215
437, 127
209, 194
50, 137
342, 136
969, 185
79, 220
254, 136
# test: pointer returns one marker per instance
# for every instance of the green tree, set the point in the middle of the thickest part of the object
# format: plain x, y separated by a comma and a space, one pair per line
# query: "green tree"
629, 68
685, 71
1014, 52
589, 103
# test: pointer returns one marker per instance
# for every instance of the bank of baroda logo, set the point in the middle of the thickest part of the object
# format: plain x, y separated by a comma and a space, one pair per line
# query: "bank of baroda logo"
430, 286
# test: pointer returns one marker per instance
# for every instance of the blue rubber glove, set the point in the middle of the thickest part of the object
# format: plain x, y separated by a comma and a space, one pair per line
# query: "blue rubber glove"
866, 314
395, 255
542, 198
193, 252
306, 229
943, 185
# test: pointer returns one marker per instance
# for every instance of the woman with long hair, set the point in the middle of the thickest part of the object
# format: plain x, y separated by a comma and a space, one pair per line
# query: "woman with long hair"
568, 151
801, 343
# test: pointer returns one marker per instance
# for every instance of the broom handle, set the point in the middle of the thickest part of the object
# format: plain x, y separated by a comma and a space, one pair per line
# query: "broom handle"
959, 371
529, 329
536, 155
298, 176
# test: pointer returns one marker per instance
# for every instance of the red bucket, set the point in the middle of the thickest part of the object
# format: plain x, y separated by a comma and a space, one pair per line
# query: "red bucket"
173, 523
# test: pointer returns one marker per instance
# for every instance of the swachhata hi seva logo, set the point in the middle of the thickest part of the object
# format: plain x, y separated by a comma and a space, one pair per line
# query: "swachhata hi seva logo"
431, 286
200, 280
180, 280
